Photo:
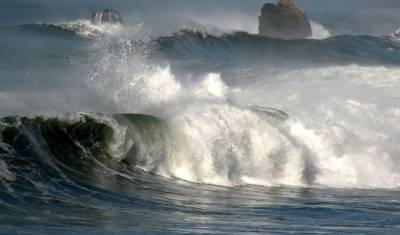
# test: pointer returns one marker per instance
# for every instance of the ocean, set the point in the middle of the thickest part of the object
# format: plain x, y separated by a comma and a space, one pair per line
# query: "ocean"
182, 120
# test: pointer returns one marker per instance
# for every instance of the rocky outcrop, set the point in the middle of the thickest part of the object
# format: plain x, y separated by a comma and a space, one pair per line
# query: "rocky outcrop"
106, 16
284, 20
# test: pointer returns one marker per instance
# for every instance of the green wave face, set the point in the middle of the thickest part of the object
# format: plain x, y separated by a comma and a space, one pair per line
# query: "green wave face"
85, 145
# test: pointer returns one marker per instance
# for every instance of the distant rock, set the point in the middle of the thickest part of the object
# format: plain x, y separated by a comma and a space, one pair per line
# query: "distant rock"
106, 16
284, 20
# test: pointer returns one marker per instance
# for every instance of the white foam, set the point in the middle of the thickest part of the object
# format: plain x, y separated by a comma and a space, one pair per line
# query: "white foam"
319, 31
212, 87
346, 120
5, 173
343, 129
214, 141
224, 145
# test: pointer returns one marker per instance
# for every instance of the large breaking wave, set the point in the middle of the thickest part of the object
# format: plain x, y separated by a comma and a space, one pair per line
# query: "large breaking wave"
338, 138
218, 107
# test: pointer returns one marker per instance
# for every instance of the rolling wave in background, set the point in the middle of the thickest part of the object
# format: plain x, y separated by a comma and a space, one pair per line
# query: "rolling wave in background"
204, 127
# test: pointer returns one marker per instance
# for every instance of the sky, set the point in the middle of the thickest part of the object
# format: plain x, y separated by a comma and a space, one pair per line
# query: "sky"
342, 16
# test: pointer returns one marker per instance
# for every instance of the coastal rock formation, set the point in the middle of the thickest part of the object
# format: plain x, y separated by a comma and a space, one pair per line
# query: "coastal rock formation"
284, 20
106, 16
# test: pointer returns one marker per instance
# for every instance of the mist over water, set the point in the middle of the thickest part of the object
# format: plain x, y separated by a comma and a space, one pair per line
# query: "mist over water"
182, 119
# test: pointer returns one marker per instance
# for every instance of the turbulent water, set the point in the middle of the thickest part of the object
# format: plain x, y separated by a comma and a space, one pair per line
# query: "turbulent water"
113, 128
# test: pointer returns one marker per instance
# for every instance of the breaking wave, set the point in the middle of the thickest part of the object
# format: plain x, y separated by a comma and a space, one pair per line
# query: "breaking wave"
226, 110
205, 131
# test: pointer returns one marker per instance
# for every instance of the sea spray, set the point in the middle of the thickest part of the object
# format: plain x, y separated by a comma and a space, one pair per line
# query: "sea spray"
220, 140
319, 31
344, 117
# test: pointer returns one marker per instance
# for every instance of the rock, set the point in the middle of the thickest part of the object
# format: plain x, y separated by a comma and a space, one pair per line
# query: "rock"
284, 20
106, 16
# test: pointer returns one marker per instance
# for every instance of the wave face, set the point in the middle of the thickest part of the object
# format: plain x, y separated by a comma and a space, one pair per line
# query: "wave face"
88, 145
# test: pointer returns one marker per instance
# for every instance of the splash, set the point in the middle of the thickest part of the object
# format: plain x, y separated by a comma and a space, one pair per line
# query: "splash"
224, 145
345, 118
336, 135
319, 31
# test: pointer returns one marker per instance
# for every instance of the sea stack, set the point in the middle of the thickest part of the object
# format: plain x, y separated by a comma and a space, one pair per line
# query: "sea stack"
106, 16
284, 20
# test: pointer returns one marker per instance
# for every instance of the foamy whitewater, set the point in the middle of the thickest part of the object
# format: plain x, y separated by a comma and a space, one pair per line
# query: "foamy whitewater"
210, 128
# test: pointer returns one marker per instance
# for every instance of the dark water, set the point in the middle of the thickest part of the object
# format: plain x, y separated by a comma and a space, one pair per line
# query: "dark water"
183, 127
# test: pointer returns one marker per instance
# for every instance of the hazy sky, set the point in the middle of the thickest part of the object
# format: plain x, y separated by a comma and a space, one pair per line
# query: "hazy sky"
342, 16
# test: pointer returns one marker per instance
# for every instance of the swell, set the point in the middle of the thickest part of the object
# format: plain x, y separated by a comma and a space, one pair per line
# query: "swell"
244, 48
241, 48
